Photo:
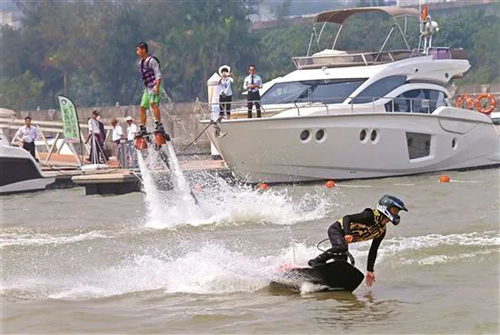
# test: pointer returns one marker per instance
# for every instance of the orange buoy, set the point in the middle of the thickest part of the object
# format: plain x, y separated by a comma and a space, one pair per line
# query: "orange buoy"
491, 103
330, 184
466, 102
444, 179
263, 186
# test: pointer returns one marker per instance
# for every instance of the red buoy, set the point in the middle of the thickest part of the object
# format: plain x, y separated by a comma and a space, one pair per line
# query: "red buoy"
330, 184
263, 186
444, 179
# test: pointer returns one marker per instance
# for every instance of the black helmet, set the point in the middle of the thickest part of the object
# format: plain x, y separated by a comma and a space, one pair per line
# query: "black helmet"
388, 201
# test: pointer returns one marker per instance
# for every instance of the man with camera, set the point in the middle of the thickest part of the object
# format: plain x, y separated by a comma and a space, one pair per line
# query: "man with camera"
226, 93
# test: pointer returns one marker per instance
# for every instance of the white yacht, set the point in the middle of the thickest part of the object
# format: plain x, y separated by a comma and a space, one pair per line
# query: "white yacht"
344, 115
19, 172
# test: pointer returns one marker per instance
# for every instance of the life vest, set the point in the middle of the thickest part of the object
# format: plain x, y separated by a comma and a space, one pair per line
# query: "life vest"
147, 72
363, 232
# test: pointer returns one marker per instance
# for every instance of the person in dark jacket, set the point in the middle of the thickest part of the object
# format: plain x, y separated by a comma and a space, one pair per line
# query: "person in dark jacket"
370, 224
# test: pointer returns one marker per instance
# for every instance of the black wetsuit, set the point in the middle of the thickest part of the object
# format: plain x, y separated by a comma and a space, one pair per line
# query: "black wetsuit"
363, 226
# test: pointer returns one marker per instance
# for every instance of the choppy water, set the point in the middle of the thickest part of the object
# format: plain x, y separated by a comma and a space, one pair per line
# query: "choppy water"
135, 264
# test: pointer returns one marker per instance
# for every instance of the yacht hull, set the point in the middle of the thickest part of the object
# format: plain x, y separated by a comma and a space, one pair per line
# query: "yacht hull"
272, 150
19, 172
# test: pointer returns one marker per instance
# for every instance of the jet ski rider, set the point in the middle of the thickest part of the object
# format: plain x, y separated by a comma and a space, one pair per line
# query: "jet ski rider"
370, 224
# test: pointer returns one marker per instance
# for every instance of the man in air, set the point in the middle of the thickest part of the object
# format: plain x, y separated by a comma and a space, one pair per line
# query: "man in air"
149, 67
370, 224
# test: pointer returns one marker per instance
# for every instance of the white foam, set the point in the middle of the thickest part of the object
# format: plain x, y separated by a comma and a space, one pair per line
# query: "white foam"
152, 196
488, 238
221, 203
210, 269
441, 259
308, 287
36, 239
180, 182
213, 268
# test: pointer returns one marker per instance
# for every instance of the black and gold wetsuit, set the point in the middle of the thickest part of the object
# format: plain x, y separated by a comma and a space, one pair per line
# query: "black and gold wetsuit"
363, 226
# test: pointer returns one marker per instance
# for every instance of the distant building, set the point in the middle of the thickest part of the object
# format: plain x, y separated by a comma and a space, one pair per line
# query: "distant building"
8, 19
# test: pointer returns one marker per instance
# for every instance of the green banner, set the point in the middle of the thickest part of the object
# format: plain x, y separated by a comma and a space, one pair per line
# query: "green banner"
71, 127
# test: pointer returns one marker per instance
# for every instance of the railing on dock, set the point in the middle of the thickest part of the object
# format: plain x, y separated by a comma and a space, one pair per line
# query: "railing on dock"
52, 136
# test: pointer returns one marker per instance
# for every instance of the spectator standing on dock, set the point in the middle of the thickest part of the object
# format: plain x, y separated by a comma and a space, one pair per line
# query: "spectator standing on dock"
28, 135
102, 137
253, 83
116, 136
226, 92
132, 131
95, 138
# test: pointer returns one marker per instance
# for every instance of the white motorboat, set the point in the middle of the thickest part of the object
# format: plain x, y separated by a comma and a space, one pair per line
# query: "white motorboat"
345, 115
19, 172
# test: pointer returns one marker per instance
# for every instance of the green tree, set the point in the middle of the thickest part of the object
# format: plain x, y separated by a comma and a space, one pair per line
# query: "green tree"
86, 49
21, 92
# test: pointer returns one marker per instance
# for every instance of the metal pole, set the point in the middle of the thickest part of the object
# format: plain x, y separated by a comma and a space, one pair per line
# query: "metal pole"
310, 43
383, 45
336, 37
321, 32
122, 147
402, 34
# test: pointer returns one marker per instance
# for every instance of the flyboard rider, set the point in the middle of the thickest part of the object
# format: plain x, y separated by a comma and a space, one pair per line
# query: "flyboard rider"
370, 224
149, 67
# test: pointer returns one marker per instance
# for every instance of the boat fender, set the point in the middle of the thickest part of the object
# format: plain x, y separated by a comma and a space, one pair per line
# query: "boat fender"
490, 107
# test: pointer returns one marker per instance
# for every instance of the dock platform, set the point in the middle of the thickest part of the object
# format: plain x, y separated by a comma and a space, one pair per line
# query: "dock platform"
122, 181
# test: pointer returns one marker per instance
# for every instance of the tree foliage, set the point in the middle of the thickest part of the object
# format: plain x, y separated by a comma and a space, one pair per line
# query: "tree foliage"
23, 91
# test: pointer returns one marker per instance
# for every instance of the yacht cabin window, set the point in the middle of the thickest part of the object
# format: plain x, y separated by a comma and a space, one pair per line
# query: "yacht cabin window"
419, 145
325, 91
379, 89
417, 101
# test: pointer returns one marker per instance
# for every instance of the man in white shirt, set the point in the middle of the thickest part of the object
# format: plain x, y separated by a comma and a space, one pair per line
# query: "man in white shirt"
226, 93
132, 131
28, 135
96, 148
253, 83
116, 136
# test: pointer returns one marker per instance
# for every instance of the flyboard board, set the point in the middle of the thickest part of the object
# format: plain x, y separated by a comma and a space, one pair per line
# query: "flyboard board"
158, 141
334, 276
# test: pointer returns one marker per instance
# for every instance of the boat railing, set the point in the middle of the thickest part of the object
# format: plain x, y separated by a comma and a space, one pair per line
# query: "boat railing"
352, 59
383, 104
372, 58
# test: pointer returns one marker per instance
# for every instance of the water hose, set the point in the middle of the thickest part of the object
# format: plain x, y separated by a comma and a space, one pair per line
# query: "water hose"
349, 255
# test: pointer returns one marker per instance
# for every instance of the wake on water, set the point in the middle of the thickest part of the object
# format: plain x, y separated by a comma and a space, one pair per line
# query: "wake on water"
218, 201
220, 269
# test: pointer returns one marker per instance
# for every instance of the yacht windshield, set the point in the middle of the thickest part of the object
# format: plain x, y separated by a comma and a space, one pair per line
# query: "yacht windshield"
326, 91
